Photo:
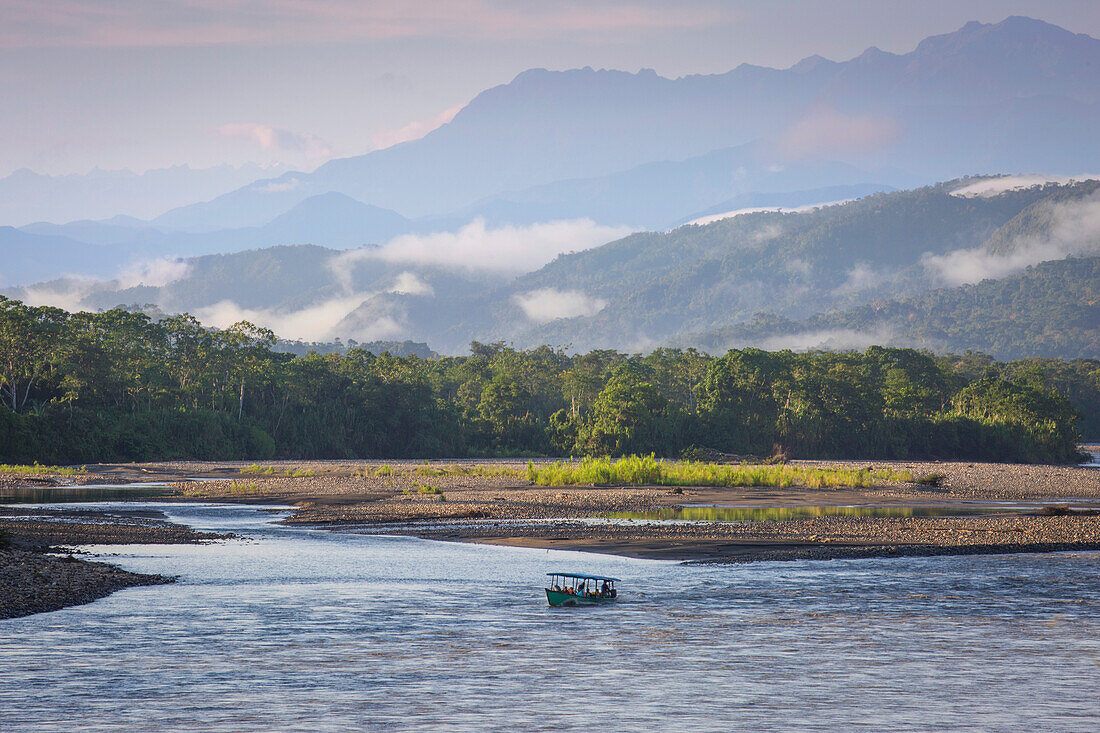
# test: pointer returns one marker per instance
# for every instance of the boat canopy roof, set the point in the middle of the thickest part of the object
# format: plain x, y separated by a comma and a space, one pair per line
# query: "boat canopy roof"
585, 576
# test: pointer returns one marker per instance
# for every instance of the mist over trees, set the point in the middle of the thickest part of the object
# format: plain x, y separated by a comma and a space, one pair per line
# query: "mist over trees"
117, 385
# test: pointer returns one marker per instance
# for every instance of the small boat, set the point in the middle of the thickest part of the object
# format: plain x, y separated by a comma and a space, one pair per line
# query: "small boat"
577, 589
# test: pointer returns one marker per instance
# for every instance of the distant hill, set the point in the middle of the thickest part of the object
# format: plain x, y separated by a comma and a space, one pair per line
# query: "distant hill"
1050, 310
1018, 95
940, 266
655, 287
102, 249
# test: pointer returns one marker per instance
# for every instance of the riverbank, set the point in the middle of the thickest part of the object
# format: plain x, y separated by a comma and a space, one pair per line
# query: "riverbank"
493, 502
33, 579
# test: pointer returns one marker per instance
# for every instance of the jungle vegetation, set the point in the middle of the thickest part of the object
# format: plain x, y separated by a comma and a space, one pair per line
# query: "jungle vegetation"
118, 385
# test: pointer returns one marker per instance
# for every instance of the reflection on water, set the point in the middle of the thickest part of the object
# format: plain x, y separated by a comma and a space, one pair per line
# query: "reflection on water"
71, 494
308, 630
792, 513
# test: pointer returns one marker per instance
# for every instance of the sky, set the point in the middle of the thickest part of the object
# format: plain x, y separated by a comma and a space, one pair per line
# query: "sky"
143, 84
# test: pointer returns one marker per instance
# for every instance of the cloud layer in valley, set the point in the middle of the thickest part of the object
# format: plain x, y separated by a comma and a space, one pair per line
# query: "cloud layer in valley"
994, 186
549, 304
507, 249
1074, 230
315, 322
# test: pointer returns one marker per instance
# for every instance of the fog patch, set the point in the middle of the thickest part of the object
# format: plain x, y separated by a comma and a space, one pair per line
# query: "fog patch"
1074, 230
508, 249
68, 294
312, 323
407, 283
549, 304
860, 277
799, 267
990, 187
153, 273
841, 339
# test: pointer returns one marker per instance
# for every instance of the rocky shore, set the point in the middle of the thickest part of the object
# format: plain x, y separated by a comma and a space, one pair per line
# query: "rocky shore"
32, 580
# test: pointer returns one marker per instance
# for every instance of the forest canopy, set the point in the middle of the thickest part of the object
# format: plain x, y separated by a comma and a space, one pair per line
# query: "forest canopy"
119, 386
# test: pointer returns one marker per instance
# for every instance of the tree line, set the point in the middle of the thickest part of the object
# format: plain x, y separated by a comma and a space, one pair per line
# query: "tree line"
120, 386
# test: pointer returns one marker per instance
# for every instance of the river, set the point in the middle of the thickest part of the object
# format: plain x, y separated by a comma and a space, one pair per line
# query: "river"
297, 629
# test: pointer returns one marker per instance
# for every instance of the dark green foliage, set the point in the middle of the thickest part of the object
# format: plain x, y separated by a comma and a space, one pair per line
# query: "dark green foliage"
118, 386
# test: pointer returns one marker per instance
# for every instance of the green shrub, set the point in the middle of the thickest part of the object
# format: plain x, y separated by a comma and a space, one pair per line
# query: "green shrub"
648, 470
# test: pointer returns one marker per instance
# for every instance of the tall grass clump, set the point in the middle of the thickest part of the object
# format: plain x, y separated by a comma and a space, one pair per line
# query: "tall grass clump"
257, 470
651, 471
37, 469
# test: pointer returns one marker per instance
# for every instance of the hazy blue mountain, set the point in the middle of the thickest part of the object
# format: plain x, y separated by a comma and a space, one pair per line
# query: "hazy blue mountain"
1016, 95
662, 194
26, 257
26, 196
102, 248
334, 220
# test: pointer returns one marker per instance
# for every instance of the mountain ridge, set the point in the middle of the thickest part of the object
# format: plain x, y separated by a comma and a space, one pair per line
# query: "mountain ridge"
555, 125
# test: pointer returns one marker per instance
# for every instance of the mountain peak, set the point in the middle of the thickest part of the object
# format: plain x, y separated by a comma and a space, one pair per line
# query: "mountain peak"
1010, 32
811, 63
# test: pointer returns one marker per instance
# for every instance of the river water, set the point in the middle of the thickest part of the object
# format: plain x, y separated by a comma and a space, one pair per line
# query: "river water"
296, 629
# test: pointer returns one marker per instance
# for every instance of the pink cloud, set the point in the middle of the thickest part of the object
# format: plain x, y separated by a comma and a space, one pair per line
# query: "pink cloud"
114, 23
825, 131
270, 137
413, 130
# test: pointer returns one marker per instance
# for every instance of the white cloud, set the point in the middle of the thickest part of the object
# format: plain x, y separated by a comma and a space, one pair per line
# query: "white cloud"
989, 187
407, 283
475, 247
1074, 229
309, 324
413, 130
831, 131
860, 277
549, 304
153, 273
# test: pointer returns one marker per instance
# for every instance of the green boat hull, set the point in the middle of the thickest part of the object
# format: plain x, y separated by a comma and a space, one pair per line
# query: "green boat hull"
557, 598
